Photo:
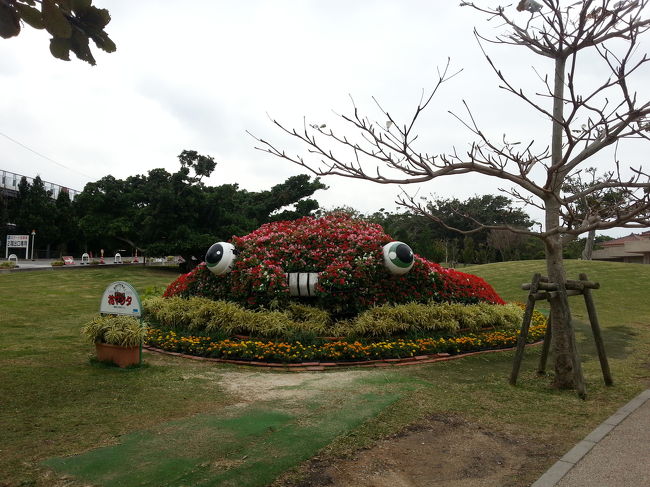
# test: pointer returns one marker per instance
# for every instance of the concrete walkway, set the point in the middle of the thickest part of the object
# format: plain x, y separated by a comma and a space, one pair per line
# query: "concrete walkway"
46, 264
616, 454
35, 264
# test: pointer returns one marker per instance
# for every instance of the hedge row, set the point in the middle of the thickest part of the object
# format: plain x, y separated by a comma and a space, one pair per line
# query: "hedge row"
225, 318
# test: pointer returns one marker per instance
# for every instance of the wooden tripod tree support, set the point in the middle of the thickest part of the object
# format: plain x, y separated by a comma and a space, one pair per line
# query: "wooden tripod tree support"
540, 288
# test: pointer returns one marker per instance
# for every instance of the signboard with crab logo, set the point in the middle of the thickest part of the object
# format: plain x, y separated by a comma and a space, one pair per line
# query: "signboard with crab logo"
120, 298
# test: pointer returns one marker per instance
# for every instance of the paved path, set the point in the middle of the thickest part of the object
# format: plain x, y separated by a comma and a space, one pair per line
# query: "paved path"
46, 264
35, 264
616, 454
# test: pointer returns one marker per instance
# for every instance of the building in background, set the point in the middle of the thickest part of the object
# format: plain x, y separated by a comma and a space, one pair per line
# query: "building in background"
633, 249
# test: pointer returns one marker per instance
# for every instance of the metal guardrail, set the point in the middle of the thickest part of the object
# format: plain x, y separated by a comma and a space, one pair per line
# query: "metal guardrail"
9, 182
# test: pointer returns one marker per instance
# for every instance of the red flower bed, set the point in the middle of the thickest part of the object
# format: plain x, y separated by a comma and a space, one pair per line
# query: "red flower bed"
348, 255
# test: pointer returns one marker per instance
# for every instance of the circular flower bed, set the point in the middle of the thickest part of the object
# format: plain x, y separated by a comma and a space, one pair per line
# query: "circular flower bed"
423, 309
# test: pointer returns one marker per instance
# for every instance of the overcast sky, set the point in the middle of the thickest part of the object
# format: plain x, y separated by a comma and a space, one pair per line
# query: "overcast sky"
198, 74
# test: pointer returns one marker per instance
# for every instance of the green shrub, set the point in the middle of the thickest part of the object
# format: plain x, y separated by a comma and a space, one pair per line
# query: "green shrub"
8, 264
125, 331
480, 316
175, 313
418, 318
305, 313
217, 316
202, 314
152, 306
390, 320
152, 292
299, 321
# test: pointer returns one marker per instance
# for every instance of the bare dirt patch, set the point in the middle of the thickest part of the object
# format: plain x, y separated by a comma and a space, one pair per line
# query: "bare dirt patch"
269, 386
442, 451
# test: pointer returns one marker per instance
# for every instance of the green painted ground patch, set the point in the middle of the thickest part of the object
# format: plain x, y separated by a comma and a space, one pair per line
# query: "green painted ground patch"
248, 449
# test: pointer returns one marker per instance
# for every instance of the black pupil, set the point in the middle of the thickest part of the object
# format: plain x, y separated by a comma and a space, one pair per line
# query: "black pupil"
215, 253
404, 253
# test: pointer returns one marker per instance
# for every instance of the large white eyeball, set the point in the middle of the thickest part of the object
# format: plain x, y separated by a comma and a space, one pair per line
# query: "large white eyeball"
398, 257
221, 257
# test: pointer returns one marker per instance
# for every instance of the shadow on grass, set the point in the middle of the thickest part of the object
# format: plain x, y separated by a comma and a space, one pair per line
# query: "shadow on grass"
618, 340
107, 364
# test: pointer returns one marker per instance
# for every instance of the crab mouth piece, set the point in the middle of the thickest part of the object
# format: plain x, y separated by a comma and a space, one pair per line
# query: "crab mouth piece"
302, 284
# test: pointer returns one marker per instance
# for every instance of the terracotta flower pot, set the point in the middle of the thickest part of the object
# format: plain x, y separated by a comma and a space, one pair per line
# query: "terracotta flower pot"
121, 356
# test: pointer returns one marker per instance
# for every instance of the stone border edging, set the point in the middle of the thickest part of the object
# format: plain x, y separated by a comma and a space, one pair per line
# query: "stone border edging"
320, 366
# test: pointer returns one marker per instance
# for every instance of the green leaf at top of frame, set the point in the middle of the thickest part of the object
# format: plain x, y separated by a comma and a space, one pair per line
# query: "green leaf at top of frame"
30, 15
97, 17
104, 42
9, 21
80, 6
55, 20
79, 45
60, 48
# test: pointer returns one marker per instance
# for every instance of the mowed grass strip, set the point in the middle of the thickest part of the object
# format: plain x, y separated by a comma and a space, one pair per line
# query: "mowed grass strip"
56, 404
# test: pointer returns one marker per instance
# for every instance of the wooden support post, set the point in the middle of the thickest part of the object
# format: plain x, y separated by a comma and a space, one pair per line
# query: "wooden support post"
578, 376
595, 328
523, 334
546, 345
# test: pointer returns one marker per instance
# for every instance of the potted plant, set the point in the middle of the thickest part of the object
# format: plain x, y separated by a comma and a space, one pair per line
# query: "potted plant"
117, 339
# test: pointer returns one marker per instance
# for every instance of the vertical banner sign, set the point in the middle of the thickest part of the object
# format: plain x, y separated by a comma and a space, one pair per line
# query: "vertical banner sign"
120, 298
17, 242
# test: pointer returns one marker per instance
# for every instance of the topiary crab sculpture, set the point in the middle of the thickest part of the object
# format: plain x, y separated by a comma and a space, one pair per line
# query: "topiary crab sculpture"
338, 263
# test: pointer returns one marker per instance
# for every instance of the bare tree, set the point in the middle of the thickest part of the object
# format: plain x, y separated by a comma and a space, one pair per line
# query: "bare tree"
504, 241
582, 122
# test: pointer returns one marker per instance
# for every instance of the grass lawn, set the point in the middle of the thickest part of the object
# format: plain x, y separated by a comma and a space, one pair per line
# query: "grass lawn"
67, 421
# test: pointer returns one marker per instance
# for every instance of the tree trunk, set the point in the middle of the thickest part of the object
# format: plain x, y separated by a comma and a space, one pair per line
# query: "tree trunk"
568, 369
589, 245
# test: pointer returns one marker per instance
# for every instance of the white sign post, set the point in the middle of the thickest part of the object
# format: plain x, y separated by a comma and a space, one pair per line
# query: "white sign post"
17, 242
120, 298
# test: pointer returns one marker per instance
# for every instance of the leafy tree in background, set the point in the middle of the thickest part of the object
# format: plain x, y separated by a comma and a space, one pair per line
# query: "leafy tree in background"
266, 205
35, 209
71, 23
107, 211
455, 216
507, 243
167, 214
202, 165
587, 111
66, 224
576, 249
469, 251
4, 219
435, 240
